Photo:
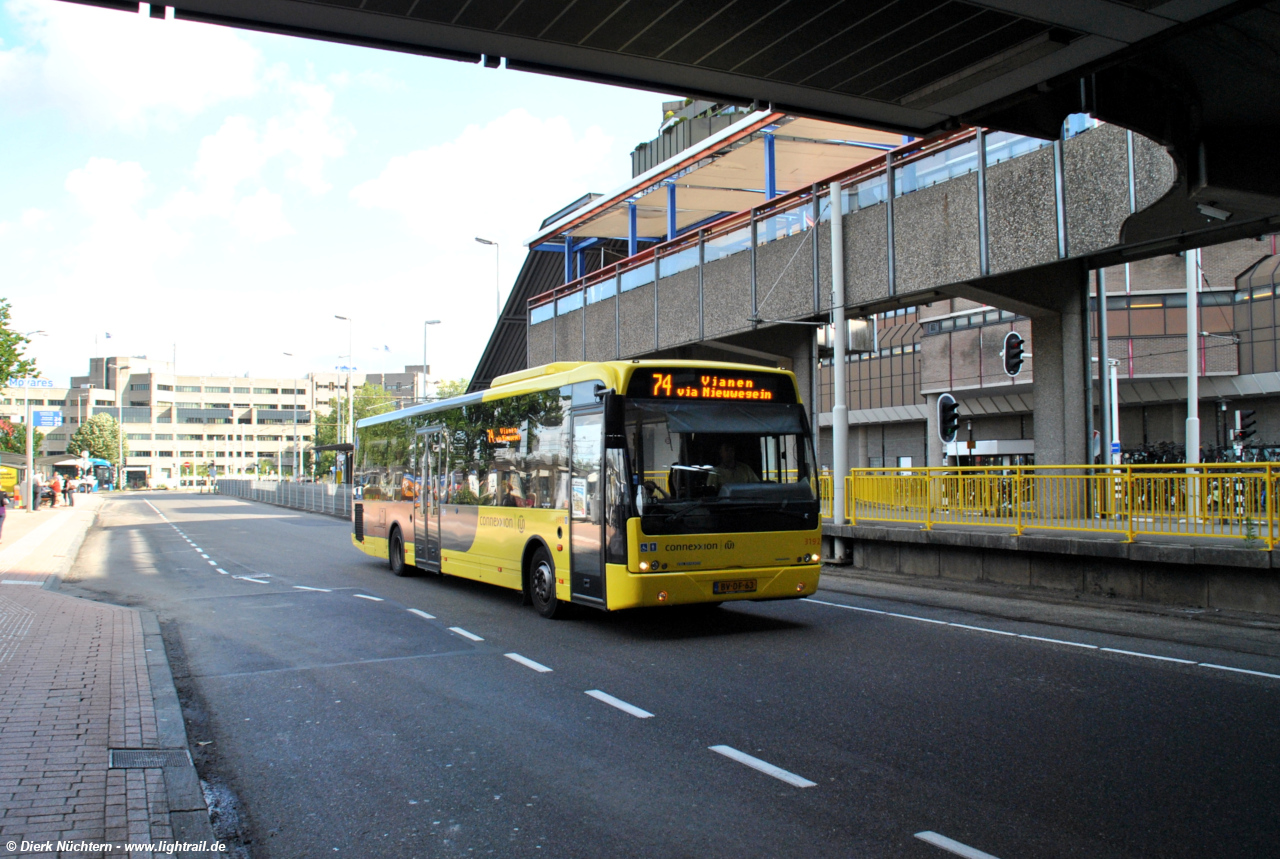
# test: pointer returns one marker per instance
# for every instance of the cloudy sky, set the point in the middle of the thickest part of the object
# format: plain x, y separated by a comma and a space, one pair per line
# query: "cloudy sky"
229, 192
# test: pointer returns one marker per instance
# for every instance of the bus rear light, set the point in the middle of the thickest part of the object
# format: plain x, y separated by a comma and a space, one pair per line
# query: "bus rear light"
644, 566
800, 587
559, 547
662, 596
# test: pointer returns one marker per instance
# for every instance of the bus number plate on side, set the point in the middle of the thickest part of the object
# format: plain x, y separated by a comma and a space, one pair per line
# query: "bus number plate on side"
737, 586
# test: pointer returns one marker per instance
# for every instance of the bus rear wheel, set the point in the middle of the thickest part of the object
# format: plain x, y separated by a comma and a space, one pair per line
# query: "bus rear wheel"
395, 554
542, 584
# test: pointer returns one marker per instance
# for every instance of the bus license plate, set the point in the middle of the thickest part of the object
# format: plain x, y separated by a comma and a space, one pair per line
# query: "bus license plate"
737, 586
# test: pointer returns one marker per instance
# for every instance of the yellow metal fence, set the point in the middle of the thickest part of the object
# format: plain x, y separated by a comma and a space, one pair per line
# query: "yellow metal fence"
1231, 500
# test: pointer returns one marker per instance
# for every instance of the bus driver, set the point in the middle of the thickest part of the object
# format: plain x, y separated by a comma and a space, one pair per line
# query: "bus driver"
729, 470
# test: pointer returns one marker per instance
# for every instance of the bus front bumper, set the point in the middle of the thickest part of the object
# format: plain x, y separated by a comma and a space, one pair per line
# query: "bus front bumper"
634, 590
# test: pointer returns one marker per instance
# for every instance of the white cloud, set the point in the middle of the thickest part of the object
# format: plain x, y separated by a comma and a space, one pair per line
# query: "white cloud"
106, 189
120, 69
34, 217
499, 180
261, 217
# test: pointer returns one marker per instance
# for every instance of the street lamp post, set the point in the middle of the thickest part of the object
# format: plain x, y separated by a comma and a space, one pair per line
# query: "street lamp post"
31, 434
497, 278
424, 355
297, 450
351, 405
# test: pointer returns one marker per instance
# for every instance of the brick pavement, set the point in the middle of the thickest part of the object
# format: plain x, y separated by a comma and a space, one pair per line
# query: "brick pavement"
74, 683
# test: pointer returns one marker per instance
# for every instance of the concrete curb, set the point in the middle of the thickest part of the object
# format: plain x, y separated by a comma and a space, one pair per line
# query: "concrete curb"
188, 812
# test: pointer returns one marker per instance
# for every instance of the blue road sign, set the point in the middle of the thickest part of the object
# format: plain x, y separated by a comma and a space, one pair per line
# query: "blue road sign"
46, 419
1115, 447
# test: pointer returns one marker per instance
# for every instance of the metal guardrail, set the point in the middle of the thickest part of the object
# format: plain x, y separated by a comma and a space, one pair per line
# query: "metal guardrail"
330, 498
1220, 500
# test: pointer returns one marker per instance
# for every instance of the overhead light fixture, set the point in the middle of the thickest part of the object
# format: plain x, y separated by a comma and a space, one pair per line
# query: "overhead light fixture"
1211, 211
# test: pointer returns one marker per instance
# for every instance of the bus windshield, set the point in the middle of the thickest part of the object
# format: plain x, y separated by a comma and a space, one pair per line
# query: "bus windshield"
714, 467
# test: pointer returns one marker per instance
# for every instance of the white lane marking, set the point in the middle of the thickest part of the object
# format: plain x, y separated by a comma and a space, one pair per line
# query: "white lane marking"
154, 507
213, 563
763, 766
841, 605
198, 549
1239, 670
16, 582
203, 555
1148, 655
1060, 641
224, 572
367, 597
465, 634
305, 588
422, 614
953, 846
913, 617
981, 629
1050, 640
620, 704
528, 663
250, 579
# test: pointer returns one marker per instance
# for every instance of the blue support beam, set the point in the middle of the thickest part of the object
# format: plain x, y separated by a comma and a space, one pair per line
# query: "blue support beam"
770, 168
671, 211
582, 259
568, 259
632, 243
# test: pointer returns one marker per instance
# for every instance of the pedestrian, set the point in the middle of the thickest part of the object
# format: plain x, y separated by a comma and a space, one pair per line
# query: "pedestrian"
4, 508
56, 486
69, 492
37, 492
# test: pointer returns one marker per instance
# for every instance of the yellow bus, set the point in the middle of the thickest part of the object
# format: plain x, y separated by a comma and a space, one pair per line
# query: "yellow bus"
613, 485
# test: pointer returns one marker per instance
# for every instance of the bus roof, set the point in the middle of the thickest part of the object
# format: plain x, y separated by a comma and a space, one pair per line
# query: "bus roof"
614, 374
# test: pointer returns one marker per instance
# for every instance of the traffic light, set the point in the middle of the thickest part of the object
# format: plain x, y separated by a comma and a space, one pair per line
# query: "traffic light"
1244, 425
948, 418
1012, 353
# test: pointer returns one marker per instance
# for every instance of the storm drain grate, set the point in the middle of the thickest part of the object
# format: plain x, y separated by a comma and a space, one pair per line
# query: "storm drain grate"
134, 759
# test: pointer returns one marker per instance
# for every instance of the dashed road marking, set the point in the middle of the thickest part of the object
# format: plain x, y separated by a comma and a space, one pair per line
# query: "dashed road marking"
305, 588
224, 572
251, 579
620, 704
763, 766
465, 634
422, 614
528, 663
952, 846
981, 629
213, 563
367, 597
203, 555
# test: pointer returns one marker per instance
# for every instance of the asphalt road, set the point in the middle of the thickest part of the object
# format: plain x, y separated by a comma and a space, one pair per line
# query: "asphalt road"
355, 713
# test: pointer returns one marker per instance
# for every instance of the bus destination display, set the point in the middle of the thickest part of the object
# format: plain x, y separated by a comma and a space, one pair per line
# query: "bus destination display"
698, 384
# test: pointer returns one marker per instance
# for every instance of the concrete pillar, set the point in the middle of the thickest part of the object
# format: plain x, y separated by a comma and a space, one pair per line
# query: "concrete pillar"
1057, 345
934, 451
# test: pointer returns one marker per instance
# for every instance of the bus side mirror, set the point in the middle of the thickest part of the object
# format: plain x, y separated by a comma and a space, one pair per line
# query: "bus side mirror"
615, 413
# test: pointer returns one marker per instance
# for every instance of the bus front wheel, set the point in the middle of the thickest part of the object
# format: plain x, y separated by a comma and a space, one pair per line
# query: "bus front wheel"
542, 584
395, 554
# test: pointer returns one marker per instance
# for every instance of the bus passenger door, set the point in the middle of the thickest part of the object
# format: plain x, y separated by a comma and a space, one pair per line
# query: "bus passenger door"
432, 467
586, 507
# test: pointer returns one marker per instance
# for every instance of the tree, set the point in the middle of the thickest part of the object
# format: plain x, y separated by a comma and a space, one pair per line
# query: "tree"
13, 438
452, 388
13, 346
98, 437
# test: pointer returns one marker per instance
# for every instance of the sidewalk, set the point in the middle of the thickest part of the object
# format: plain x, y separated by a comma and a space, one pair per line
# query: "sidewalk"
78, 681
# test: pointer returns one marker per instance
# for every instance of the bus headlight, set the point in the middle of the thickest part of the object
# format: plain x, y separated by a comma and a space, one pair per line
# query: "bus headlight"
662, 596
800, 587
644, 566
